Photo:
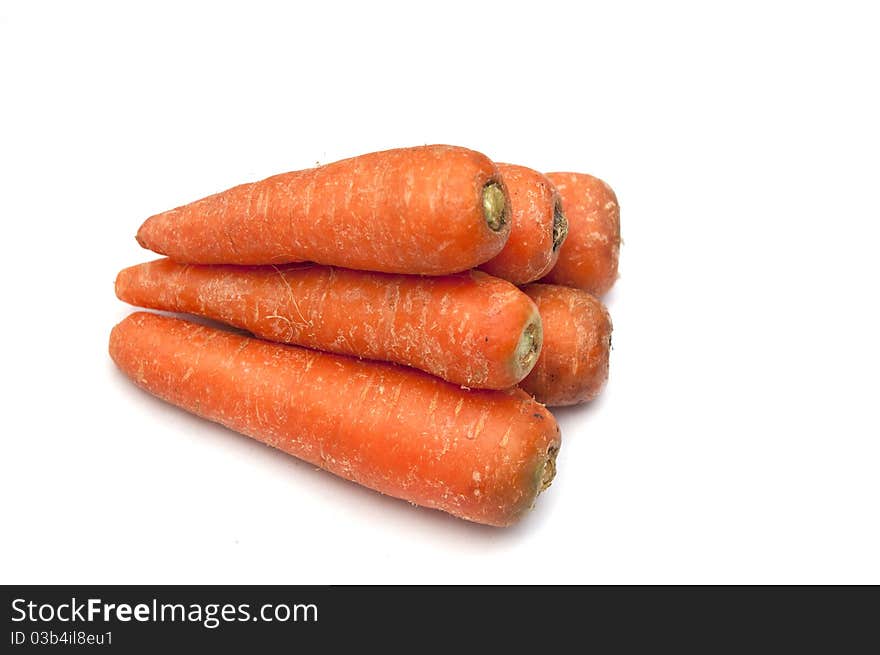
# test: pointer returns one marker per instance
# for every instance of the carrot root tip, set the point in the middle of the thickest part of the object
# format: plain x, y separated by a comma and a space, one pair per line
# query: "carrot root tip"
494, 206
560, 226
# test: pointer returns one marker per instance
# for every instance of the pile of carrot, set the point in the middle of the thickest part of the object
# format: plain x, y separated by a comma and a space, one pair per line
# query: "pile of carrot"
409, 315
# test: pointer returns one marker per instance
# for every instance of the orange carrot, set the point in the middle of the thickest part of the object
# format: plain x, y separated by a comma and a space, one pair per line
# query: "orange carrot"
480, 455
471, 328
537, 227
588, 258
573, 365
429, 210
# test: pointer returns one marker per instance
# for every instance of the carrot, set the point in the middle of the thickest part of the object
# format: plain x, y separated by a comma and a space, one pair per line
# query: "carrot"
573, 365
429, 210
470, 328
480, 455
588, 258
537, 227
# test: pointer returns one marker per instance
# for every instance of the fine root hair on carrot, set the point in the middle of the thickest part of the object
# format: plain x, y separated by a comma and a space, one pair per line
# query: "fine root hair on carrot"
560, 225
495, 206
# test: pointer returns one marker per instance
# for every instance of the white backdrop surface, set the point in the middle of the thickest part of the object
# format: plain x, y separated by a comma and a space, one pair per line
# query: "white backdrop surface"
738, 438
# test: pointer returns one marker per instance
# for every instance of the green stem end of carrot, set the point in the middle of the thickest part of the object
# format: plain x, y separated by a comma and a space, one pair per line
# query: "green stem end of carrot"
494, 206
529, 346
560, 226
548, 471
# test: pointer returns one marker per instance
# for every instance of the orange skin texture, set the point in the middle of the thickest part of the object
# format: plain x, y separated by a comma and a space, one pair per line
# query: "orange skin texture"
479, 455
588, 258
573, 365
529, 253
463, 328
411, 210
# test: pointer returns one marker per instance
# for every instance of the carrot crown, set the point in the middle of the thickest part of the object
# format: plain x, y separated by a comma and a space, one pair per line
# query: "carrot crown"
494, 206
560, 225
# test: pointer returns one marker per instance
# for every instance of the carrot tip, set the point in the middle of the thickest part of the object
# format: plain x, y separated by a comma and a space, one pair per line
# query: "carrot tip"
494, 206
560, 225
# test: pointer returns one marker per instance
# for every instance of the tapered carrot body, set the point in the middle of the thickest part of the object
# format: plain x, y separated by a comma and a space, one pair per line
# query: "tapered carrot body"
470, 328
588, 258
573, 365
537, 227
428, 210
480, 455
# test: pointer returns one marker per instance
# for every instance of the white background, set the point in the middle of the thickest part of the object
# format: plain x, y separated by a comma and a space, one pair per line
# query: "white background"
737, 440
